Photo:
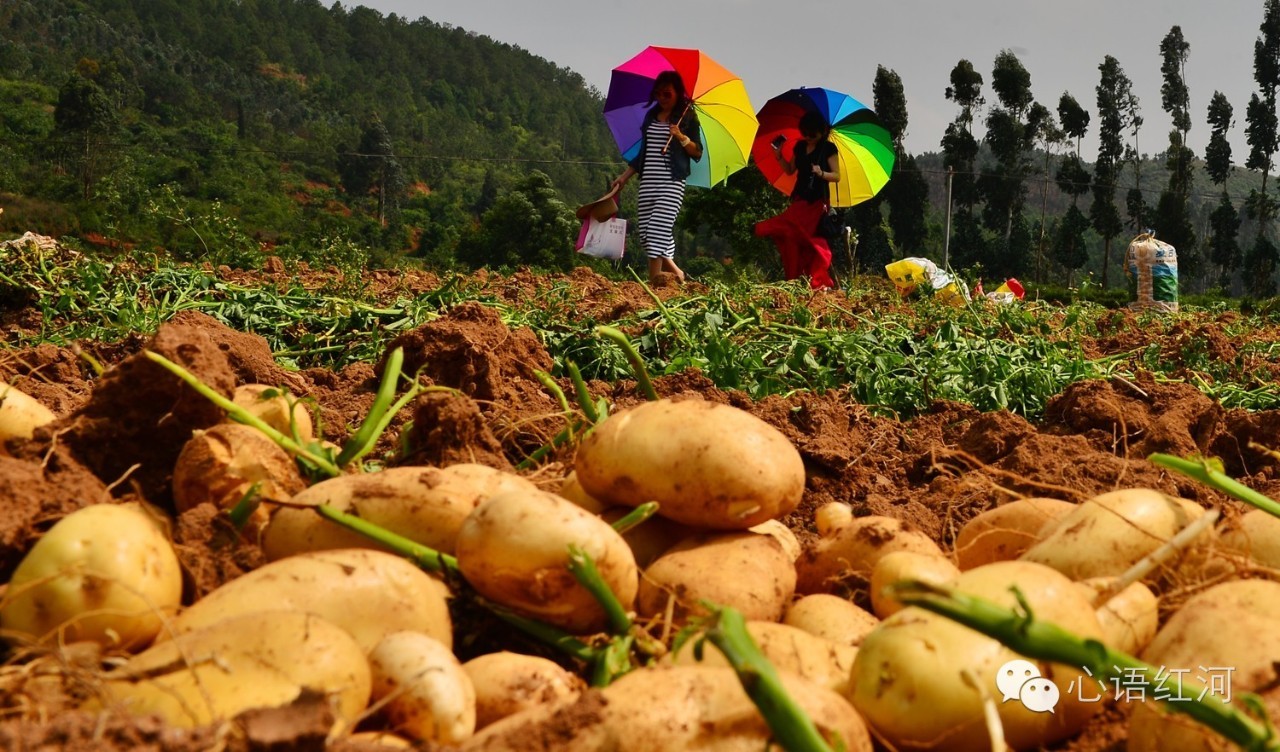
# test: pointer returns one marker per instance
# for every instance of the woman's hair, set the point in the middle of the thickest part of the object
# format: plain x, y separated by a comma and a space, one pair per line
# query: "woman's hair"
812, 123
670, 78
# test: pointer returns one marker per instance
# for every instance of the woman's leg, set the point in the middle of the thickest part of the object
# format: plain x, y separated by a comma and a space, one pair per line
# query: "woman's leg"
812, 250
782, 230
658, 205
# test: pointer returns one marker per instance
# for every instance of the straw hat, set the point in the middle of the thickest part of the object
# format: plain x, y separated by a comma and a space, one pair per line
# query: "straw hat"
602, 208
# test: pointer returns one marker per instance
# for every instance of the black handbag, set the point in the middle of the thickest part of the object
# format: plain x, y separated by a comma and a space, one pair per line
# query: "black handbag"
831, 226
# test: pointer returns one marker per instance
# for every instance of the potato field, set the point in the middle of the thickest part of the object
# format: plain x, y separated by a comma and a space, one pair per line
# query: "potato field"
306, 509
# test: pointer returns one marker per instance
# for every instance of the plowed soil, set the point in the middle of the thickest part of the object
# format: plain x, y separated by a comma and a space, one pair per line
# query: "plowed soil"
118, 434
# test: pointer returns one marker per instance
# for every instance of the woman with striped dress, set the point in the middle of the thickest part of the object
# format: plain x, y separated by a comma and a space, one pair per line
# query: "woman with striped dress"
671, 138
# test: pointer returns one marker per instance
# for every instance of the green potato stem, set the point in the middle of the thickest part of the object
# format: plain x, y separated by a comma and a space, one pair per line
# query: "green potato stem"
633, 357
1204, 472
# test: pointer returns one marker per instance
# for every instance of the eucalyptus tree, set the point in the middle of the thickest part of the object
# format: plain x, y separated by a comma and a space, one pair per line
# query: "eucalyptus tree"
1010, 136
1261, 133
1073, 177
907, 192
1172, 219
960, 154
1224, 222
1114, 90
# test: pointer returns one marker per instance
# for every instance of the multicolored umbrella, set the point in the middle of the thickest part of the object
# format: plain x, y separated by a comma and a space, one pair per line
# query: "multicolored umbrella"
864, 146
719, 98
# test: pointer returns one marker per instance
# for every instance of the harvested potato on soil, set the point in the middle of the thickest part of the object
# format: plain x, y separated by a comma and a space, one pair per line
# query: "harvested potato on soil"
221, 464
507, 683
257, 660
572, 490
748, 571
706, 464
651, 538
20, 415
1256, 535
906, 565
831, 617
428, 696
669, 708
105, 573
788, 648
1109, 533
1005, 532
847, 553
273, 406
1129, 618
368, 593
424, 504
784, 536
1225, 636
514, 550
913, 676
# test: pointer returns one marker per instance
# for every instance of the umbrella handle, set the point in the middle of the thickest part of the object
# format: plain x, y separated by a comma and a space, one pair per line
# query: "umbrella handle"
667, 145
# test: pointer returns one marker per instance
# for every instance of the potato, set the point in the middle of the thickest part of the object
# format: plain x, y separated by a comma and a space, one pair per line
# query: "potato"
1227, 632
1129, 618
368, 593
909, 675
428, 695
851, 550
507, 683
904, 565
1107, 534
258, 660
20, 415
748, 571
572, 490
790, 649
273, 406
1256, 535
424, 504
1005, 532
832, 618
104, 573
651, 538
514, 549
367, 739
708, 465
832, 516
784, 536
669, 708
221, 464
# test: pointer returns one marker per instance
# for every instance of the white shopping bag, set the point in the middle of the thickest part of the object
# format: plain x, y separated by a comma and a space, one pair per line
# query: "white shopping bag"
607, 239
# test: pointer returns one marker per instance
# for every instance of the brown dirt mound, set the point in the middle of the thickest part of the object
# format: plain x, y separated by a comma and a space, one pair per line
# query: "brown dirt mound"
34, 495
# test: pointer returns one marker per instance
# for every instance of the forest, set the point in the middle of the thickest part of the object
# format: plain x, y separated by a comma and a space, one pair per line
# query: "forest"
230, 132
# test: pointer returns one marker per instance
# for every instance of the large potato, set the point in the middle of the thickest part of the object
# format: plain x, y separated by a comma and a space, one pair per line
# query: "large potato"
1129, 618
748, 571
507, 683
257, 660
849, 550
514, 549
105, 573
909, 677
670, 708
1105, 535
424, 504
906, 565
368, 593
1224, 635
427, 695
219, 466
789, 649
831, 617
277, 409
651, 538
1007, 531
1256, 535
706, 464
20, 415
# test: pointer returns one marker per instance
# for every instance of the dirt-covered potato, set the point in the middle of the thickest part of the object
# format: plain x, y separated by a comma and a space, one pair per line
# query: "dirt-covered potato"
670, 708
273, 406
789, 649
706, 464
831, 617
1129, 618
257, 660
514, 550
221, 464
368, 593
906, 565
104, 573
849, 549
915, 678
507, 683
784, 536
20, 415
1107, 534
1005, 532
1256, 535
427, 694
424, 504
748, 571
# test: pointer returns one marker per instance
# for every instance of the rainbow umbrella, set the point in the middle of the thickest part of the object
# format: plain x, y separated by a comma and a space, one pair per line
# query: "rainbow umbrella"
864, 146
719, 98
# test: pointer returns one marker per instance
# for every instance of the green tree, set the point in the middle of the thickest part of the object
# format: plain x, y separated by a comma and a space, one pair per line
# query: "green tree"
1010, 136
1068, 242
907, 193
1261, 133
1224, 222
85, 118
960, 155
527, 226
374, 168
1073, 176
1113, 90
1172, 220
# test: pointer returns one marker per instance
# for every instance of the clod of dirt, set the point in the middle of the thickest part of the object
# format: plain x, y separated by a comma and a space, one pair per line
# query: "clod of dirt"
52, 375
211, 551
449, 429
34, 495
249, 355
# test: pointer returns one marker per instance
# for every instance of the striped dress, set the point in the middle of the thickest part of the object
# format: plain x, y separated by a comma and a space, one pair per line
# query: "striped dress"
660, 195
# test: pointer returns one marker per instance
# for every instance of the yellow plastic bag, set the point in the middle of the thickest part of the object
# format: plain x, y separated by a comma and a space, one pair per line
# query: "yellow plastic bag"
909, 273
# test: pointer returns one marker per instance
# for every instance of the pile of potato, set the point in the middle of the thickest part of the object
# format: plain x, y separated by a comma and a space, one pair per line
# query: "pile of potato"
333, 612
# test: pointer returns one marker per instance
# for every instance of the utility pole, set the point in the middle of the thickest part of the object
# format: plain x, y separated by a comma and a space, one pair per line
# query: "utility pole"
946, 244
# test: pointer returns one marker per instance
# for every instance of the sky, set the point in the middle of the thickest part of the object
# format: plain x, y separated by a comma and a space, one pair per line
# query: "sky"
775, 46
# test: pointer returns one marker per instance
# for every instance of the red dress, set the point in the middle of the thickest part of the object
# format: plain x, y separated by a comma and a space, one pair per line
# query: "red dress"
795, 231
